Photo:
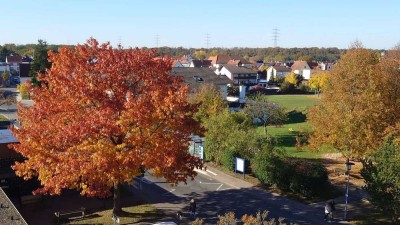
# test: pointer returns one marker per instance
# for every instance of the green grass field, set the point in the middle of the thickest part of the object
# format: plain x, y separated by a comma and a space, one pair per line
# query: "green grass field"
286, 134
294, 102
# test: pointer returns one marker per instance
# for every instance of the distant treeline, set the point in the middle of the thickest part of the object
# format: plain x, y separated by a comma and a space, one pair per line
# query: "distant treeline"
251, 54
266, 54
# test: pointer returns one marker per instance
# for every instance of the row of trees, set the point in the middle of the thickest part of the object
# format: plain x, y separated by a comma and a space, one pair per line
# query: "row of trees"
253, 54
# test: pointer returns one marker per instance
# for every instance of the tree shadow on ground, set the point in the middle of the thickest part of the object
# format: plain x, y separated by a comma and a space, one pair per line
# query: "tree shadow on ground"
286, 140
296, 117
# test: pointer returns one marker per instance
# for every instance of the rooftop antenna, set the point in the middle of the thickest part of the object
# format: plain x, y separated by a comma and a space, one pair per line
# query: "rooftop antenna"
207, 40
275, 36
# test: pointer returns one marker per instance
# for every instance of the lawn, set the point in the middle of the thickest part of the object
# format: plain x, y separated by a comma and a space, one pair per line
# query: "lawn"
132, 215
294, 102
297, 106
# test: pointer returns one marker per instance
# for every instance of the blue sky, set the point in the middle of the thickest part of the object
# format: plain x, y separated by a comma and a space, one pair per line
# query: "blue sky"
231, 23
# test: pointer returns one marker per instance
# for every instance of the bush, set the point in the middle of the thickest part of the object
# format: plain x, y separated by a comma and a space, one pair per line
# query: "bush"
304, 88
286, 87
268, 165
299, 176
228, 158
307, 178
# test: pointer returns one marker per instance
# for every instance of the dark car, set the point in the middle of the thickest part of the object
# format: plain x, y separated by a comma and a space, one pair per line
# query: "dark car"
15, 80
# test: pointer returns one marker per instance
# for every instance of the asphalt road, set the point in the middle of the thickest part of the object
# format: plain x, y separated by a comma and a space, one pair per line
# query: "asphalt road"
215, 197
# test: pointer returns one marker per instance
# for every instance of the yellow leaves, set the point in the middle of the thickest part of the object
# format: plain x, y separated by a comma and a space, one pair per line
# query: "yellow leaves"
291, 78
353, 113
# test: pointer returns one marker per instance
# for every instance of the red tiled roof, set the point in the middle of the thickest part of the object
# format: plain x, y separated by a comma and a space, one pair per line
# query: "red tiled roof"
298, 65
219, 59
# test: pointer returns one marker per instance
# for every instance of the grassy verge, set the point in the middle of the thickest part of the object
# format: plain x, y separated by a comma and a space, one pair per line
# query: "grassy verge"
131, 215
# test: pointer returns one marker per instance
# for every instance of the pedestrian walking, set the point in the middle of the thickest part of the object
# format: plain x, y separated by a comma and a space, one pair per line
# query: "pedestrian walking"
192, 208
328, 211
333, 209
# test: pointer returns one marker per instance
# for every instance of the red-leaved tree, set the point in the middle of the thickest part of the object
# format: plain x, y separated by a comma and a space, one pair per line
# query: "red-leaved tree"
100, 115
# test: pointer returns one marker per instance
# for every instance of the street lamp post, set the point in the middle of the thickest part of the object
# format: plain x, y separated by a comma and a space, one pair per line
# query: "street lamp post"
348, 168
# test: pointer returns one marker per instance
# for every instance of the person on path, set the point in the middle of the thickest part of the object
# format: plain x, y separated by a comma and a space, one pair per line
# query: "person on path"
328, 211
192, 208
333, 209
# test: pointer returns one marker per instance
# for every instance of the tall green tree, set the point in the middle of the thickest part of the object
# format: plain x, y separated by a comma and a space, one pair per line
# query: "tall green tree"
351, 116
381, 173
209, 100
40, 61
228, 133
4, 52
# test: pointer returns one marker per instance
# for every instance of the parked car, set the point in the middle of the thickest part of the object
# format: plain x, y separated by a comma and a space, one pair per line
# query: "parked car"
15, 80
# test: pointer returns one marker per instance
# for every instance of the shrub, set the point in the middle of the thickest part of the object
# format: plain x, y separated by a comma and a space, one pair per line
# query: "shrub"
286, 87
307, 178
268, 165
295, 175
228, 158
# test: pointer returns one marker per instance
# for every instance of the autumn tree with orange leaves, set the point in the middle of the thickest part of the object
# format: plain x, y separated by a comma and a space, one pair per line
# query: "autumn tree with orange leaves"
102, 114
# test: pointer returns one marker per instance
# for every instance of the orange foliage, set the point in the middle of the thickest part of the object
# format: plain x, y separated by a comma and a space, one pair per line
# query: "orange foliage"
100, 114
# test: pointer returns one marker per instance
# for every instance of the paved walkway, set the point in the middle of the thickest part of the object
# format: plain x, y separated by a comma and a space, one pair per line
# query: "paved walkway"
357, 201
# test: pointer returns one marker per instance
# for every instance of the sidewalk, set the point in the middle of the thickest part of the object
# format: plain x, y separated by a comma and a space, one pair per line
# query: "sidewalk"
357, 199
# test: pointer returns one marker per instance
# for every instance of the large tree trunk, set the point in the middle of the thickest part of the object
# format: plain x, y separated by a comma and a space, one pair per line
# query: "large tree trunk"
117, 210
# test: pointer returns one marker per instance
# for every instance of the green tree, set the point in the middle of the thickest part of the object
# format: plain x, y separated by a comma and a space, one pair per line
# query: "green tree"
210, 102
265, 111
40, 61
351, 116
307, 58
4, 52
229, 133
200, 54
381, 173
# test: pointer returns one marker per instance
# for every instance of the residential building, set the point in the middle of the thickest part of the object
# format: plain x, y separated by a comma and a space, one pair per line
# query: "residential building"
239, 75
195, 76
200, 63
219, 60
13, 61
302, 68
177, 63
326, 66
277, 71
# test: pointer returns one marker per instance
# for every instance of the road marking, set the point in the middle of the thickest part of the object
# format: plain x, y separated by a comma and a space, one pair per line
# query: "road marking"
208, 183
220, 186
212, 172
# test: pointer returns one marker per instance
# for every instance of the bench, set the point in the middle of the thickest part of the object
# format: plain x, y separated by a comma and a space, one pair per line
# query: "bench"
78, 213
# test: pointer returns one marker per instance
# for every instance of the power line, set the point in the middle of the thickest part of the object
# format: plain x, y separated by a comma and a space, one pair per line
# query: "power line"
275, 36
157, 40
207, 40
